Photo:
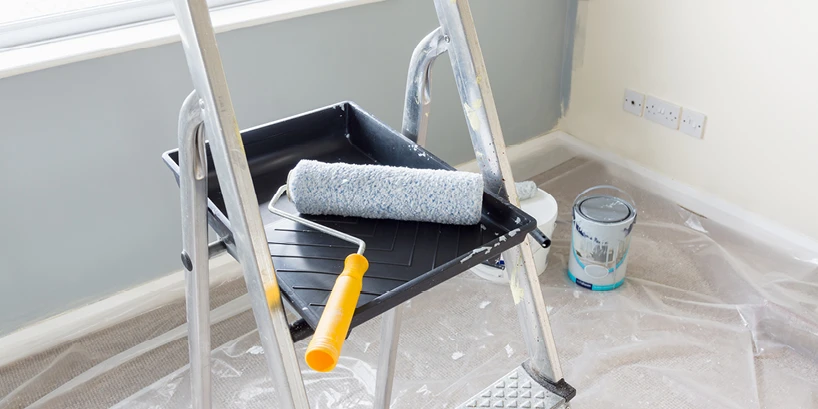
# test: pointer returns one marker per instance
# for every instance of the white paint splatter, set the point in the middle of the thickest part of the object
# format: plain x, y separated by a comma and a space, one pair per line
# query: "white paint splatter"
509, 350
472, 115
513, 232
484, 304
457, 355
518, 220
502, 238
517, 292
576, 293
255, 350
475, 251
366, 346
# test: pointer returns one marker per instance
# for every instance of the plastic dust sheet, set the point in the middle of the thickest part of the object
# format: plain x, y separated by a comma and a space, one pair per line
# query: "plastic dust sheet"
706, 318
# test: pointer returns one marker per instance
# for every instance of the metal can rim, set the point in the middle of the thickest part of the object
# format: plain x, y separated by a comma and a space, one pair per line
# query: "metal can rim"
631, 210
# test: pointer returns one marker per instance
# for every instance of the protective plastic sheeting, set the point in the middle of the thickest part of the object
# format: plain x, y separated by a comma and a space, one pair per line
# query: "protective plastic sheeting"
707, 318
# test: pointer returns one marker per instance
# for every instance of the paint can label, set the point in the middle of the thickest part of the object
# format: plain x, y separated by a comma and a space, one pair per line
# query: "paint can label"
603, 219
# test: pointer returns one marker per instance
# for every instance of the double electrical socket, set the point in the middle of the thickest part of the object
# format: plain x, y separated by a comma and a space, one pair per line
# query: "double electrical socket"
664, 113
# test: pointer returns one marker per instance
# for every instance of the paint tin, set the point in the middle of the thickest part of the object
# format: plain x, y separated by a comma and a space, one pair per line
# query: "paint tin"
604, 217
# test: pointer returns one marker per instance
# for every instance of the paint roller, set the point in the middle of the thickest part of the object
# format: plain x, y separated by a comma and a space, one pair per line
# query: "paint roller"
389, 192
375, 192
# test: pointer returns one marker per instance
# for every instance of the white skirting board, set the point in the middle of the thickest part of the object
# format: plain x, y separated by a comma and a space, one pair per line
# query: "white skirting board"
532, 157
105, 313
726, 213
528, 159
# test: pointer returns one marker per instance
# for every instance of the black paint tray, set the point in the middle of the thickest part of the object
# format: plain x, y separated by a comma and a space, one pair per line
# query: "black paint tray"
405, 258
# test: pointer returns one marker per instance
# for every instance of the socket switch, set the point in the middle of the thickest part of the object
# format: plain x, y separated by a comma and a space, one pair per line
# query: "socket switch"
662, 112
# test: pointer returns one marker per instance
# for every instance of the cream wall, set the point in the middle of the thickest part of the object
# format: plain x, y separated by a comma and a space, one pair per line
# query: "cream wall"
751, 66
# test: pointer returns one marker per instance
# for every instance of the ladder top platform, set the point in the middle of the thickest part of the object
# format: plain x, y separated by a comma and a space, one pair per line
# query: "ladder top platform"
406, 258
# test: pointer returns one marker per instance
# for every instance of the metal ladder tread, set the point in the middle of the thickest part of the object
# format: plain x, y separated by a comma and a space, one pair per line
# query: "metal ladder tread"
515, 390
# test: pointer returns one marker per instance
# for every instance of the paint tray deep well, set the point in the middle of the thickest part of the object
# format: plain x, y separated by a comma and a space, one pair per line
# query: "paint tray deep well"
406, 258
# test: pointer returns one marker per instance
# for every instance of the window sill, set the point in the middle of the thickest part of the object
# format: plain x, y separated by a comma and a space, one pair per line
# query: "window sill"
150, 34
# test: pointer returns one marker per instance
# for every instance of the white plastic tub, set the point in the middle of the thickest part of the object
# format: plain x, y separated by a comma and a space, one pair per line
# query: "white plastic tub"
543, 207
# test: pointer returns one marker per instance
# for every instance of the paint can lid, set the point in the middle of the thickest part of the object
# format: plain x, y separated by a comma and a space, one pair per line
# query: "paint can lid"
605, 209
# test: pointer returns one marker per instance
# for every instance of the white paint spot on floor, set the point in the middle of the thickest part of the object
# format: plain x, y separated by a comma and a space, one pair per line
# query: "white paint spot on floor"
424, 390
509, 350
576, 293
484, 304
457, 355
256, 350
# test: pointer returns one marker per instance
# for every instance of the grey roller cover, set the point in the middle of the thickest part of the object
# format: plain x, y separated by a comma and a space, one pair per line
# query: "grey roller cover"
386, 192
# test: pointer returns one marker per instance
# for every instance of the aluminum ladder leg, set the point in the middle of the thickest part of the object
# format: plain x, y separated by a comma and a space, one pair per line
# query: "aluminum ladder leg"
539, 382
209, 112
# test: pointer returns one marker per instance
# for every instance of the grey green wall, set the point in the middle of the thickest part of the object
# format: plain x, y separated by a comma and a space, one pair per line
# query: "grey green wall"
88, 209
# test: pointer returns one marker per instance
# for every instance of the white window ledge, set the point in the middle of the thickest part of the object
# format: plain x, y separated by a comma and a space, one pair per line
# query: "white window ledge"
154, 33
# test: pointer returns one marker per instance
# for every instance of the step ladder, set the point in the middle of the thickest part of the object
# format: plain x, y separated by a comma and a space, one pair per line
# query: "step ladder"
207, 113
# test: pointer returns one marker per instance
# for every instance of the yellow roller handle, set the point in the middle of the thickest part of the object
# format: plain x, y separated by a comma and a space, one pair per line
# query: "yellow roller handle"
325, 346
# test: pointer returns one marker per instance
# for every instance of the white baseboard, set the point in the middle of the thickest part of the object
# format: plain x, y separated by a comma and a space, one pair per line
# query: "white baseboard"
542, 153
728, 214
124, 305
527, 159
531, 157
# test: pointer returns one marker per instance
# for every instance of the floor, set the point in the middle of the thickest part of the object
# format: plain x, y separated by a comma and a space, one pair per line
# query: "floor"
706, 319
